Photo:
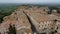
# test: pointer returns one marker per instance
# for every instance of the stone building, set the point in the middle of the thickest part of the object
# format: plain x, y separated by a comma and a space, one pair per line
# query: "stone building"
43, 22
20, 21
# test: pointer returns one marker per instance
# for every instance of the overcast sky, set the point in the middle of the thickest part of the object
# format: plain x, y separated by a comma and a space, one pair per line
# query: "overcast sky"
30, 1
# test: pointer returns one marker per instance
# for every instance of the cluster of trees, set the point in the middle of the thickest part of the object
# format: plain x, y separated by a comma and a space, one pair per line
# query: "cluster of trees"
12, 29
6, 10
56, 8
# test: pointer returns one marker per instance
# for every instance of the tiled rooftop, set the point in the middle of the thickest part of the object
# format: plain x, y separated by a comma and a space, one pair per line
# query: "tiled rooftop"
17, 18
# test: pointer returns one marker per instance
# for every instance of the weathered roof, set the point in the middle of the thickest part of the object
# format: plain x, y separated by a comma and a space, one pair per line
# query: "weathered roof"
18, 18
43, 17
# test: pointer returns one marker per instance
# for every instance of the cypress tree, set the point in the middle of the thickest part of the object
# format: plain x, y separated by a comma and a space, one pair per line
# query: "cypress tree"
12, 29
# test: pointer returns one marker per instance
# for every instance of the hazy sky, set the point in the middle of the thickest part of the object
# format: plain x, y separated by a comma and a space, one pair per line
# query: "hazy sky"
30, 1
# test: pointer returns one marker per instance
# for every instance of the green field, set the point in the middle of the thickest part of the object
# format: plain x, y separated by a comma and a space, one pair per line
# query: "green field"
6, 10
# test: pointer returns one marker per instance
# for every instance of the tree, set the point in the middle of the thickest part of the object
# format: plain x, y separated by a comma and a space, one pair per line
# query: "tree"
12, 29
49, 12
58, 11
